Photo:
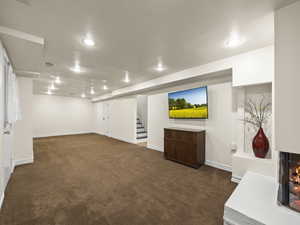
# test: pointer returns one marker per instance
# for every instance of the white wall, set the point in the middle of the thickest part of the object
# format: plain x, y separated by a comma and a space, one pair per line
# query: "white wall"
142, 108
219, 127
287, 79
158, 119
54, 115
23, 129
121, 117
255, 67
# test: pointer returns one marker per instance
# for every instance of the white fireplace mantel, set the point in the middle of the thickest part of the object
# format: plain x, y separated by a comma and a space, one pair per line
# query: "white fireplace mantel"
254, 202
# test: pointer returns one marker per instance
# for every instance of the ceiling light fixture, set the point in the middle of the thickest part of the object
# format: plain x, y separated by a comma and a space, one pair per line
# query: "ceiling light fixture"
88, 42
49, 92
82, 95
76, 68
105, 87
52, 87
57, 80
234, 40
92, 91
160, 67
126, 79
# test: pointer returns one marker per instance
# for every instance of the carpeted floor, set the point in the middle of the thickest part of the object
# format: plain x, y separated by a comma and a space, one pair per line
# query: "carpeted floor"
95, 180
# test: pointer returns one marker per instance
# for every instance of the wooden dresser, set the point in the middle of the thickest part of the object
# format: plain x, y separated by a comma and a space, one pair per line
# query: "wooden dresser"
185, 146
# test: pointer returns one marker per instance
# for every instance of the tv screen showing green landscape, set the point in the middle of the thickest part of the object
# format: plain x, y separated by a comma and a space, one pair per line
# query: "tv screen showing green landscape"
188, 104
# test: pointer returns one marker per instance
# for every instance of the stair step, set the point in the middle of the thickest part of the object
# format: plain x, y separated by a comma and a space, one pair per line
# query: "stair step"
144, 137
141, 132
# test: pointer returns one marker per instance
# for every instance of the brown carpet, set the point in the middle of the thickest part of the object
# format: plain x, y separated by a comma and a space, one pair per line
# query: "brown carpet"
95, 180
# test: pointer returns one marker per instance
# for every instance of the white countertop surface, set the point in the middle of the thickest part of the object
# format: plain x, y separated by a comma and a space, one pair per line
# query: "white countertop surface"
255, 199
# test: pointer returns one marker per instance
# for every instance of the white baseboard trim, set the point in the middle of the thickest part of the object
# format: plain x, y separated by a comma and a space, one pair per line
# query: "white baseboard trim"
13, 166
63, 134
156, 148
217, 165
1, 199
118, 138
236, 179
141, 140
20, 162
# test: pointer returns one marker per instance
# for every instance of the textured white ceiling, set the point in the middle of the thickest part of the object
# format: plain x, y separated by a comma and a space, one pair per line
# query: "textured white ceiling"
130, 35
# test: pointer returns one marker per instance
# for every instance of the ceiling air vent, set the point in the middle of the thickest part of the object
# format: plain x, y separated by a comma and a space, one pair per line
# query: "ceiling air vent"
49, 64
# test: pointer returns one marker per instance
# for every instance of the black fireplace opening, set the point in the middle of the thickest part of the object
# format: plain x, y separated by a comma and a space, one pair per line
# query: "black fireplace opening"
289, 180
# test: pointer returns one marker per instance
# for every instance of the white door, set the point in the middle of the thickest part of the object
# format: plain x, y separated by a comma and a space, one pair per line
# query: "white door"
6, 130
105, 118
1, 125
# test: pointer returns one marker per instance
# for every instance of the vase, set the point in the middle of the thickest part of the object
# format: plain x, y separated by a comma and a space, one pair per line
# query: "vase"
260, 144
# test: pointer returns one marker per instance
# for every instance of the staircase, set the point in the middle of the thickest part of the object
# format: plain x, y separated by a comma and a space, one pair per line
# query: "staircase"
141, 133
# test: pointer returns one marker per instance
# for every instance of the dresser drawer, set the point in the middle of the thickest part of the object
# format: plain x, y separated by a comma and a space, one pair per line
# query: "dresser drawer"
185, 136
170, 134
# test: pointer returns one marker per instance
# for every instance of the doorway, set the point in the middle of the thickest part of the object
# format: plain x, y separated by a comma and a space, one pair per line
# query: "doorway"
142, 120
105, 118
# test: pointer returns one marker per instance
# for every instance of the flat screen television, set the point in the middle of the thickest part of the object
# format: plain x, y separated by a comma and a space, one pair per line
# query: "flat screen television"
189, 104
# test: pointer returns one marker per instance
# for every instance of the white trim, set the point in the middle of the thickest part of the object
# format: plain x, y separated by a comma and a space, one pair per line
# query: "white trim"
117, 138
228, 221
63, 134
12, 166
141, 140
156, 148
1, 199
22, 35
218, 165
124, 140
20, 162
236, 179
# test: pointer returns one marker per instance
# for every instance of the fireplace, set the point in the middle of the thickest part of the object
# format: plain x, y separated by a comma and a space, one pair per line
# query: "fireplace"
289, 180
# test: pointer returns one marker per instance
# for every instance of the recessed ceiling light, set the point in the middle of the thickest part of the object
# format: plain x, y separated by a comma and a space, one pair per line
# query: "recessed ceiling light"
234, 40
57, 80
52, 87
76, 68
82, 95
126, 79
92, 91
88, 42
105, 87
160, 67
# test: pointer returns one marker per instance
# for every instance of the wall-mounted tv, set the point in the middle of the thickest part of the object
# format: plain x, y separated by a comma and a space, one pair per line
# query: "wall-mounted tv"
189, 104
